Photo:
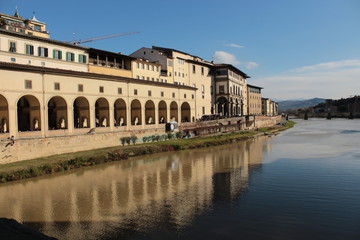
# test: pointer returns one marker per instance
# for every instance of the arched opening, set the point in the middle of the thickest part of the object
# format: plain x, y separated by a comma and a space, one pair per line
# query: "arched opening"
223, 106
28, 113
231, 108
120, 112
237, 108
185, 112
174, 111
150, 112
102, 113
81, 113
162, 112
57, 113
135, 112
4, 115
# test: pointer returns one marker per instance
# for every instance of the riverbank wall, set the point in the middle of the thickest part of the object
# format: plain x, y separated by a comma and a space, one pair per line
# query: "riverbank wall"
30, 148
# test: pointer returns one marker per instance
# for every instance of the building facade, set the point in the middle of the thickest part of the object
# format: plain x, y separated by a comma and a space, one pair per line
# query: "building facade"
54, 88
230, 91
254, 100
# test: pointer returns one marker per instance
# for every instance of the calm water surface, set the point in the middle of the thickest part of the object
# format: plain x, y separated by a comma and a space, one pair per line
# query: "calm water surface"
301, 184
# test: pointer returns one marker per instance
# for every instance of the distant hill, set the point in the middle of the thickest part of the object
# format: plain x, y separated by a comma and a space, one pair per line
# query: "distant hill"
295, 104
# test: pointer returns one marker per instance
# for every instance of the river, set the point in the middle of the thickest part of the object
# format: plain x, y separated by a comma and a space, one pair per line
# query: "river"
301, 184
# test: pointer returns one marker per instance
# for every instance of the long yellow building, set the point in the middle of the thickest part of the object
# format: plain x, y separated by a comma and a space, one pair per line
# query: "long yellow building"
54, 88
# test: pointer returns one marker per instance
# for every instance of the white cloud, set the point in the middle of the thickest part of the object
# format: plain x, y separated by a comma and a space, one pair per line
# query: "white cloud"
225, 57
329, 66
251, 65
234, 45
335, 80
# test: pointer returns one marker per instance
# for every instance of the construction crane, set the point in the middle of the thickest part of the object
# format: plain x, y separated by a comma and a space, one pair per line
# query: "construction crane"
76, 42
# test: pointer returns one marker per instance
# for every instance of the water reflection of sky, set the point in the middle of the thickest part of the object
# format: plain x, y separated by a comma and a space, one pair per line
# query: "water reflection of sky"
317, 138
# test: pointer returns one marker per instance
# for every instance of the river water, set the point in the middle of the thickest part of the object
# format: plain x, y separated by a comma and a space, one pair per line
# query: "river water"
301, 184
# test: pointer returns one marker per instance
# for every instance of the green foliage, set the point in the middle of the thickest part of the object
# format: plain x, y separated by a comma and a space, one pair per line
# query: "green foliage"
169, 136
163, 137
133, 139
145, 139
178, 134
123, 141
128, 140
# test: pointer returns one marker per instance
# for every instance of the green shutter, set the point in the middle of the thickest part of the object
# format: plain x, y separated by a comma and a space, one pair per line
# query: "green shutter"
54, 53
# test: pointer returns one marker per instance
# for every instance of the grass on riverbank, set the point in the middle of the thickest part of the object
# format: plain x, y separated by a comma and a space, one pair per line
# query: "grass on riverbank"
64, 162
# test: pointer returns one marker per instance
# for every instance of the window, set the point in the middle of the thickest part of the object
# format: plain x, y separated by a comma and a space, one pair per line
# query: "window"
57, 54
135, 92
157, 69
175, 74
80, 88
12, 47
57, 86
202, 89
148, 78
192, 96
101, 89
119, 90
28, 84
173, 95
194, 69
149, 93
137, 76
170, 63
183, 75
147, 67
143, 78
152, 79
82, 58
184, 95
137, 65
43, 52
13, 59
181, 61
202, 70
162, 94
29, 49
152, 68
221, 89
203, 110
70, 56
142, 66
37, 27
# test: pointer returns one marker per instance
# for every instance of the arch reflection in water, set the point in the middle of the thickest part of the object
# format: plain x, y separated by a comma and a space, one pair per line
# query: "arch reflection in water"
135, 195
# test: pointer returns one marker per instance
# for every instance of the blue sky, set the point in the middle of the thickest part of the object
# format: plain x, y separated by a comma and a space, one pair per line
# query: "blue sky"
294, 49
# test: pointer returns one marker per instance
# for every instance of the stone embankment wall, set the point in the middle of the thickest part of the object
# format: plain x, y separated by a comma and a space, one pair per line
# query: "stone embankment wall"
30, 148
25, 149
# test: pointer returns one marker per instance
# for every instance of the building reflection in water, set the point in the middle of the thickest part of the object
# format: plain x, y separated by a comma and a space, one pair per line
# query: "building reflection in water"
134, 195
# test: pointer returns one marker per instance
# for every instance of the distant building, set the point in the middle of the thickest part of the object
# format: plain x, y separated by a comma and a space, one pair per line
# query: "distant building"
230, 90
254, 100
269, 107
16, 23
